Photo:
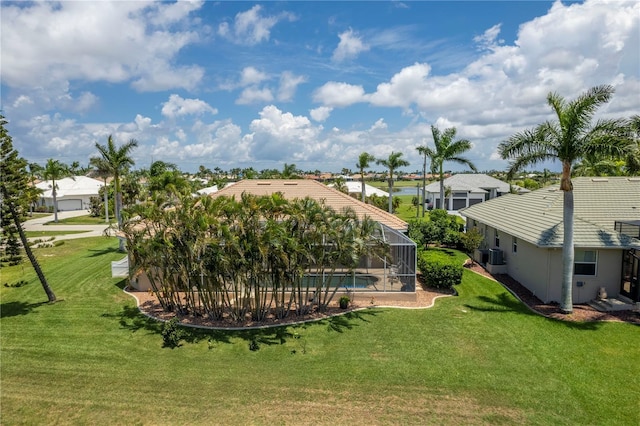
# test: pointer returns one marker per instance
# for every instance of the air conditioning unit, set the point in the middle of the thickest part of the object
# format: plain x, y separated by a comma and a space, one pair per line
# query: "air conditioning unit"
496, 257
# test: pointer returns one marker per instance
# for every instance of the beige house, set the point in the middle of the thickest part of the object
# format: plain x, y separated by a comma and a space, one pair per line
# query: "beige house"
397, 274
523, 237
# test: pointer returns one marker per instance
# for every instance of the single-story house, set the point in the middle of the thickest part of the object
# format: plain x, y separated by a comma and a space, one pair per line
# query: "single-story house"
403, 250
467, 189
523, 237
355, 188
71, 193
395, 274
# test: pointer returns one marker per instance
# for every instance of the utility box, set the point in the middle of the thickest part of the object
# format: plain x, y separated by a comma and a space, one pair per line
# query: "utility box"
496, 257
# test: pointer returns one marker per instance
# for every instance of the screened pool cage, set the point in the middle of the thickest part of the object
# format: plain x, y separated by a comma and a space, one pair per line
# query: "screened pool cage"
396, 273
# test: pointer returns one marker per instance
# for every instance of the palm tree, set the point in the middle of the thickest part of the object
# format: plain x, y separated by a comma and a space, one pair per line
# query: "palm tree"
447, 150
632, 157
289, 171
392, 163
117, 160
101, 169
55, 170
363, 162
569, 138
35, 170
425, 151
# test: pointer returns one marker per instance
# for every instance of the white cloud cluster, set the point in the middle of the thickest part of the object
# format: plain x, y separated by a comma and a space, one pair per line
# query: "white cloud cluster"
176, 106
350, 46
251, 27
47, 47
56, 42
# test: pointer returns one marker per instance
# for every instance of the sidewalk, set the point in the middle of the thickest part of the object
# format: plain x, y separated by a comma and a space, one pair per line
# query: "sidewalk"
38, 224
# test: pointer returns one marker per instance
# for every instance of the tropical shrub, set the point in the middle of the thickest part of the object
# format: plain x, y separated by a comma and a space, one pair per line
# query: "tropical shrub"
439, 270
171, 333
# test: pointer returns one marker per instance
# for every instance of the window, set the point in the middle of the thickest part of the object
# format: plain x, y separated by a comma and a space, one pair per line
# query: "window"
585, 262
515, 245
497, 239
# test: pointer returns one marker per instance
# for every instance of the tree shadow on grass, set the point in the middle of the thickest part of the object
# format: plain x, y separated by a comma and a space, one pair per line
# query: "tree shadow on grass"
17, 308
98, 253
348, 321
504, 302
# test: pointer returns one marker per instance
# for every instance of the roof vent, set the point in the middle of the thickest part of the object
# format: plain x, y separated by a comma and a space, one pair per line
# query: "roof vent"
634, 179
263, 183
599, 180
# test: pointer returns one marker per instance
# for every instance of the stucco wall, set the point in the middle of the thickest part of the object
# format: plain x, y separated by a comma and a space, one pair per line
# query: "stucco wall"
540, 270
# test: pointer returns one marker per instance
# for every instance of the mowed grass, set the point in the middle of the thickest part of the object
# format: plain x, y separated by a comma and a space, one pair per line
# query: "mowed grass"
80, 220
47, 233
478, 358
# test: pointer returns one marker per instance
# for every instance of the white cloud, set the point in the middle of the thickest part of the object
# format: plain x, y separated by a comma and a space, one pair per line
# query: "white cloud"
489, 40
253, 95
289, 83
177, 106
251, 75
278, 135
251, 27
337, 94
350, 46
55, 42
321, 113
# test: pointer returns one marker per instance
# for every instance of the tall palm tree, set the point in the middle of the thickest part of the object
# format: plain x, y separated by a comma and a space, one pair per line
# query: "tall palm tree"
569, 138
446, 149
101, 169
632, 157
118, 160
55, 170
392, 163
425, 151
35, 170
363, 162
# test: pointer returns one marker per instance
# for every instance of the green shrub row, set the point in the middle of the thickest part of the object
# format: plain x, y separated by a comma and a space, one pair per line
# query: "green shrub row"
438, 270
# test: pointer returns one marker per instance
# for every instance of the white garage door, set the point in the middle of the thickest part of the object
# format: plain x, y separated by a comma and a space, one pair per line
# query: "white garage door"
69, 205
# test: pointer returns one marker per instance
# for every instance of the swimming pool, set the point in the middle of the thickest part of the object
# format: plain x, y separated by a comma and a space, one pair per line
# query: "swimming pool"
357, 281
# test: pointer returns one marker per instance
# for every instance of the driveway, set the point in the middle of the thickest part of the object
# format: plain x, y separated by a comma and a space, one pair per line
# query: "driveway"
38, 224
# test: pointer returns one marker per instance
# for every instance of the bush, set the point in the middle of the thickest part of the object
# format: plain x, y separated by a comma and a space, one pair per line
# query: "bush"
171, 333
438, 270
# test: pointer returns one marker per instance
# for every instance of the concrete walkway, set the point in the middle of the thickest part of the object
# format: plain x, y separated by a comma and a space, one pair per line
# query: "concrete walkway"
39, 224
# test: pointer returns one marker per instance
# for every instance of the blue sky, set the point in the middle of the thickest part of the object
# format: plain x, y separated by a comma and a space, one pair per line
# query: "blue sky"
239, 84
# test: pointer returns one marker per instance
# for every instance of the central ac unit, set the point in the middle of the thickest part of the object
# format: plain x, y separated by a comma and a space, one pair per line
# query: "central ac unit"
495, 257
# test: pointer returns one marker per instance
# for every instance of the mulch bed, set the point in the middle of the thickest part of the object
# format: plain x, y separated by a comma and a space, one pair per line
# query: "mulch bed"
582, 313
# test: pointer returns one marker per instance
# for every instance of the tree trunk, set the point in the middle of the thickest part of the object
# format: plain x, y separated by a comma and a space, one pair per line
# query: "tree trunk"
29, 252
119, 218
442, 189
106, 202
391, 193
364, 195
424, 184
566, 301
55, 202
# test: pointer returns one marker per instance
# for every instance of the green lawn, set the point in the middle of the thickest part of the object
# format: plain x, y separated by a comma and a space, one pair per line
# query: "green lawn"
35, 234
80, 220
479, 358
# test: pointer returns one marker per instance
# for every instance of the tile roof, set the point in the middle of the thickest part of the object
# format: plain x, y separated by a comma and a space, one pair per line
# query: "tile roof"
536, 217
473, 182
301, 188
71, 186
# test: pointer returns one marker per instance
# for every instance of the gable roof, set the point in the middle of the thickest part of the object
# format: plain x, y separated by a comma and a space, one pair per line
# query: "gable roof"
354, 187
474, 182
536, 217
68, 187
301, 188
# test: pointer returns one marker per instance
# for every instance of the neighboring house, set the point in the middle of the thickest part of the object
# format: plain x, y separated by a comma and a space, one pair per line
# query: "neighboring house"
396, 273
402, 264
467, 189
523, 237
355, 188
71, 194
